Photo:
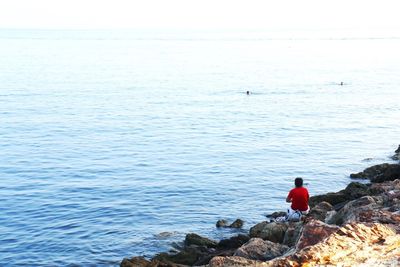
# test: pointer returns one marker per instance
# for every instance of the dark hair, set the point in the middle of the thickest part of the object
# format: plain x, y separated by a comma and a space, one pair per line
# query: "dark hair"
298, 182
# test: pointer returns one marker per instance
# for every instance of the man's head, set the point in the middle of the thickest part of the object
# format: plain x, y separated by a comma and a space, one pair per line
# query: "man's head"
298, 182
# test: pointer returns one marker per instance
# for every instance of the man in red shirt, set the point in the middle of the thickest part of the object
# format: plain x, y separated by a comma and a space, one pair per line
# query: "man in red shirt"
299, 197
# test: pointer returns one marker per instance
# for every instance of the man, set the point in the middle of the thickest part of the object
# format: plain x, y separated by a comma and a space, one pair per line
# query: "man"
299, 197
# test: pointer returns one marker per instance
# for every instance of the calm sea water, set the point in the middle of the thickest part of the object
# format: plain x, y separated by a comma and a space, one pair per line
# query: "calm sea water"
114, 144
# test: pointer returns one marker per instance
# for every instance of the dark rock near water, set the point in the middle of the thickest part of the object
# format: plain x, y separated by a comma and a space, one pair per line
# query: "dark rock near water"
352, 191
392, 173
379, 173
195, 239
371, 172
276, 214
233, 242
222, 223
396, 156
238, 223
189, 256
135, 262
142, 262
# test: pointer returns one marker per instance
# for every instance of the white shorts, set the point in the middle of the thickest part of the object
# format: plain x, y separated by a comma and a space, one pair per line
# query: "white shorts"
295, 215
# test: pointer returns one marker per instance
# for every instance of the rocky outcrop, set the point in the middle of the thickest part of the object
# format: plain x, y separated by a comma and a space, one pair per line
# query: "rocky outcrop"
365, 231
258, 249
357, 226
195, 239
379, 173
353, 191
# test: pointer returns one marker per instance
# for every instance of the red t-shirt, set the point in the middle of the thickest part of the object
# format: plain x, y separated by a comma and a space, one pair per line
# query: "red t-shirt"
299, 197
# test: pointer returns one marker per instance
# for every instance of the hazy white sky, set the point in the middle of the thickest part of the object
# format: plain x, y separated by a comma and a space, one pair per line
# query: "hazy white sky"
184, 14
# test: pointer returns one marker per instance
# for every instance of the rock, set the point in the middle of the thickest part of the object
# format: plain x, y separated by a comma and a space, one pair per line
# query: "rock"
331, 198
314, 232
238, 223
391, 173
276, 214
350, 212
396, 156
233, 242
356, 190
292, 234
234, 261
135, 262
222, 223
352, 191
380, 173
371, 171
194, 239
189, 256
142, 262
354, 244
258, 249
274, 231
320, 211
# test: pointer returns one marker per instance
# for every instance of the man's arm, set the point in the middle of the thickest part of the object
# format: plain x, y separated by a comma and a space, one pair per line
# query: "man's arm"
289, 197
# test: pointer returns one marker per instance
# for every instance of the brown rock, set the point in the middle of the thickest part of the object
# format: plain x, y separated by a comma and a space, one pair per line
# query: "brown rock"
314, 232
355, 244
274, 231
235, 261
258, 249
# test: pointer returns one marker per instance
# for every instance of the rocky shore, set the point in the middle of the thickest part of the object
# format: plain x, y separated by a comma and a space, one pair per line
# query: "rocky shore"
357, 226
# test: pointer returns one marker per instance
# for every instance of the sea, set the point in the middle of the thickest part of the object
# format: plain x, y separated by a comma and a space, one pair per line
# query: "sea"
117, 143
